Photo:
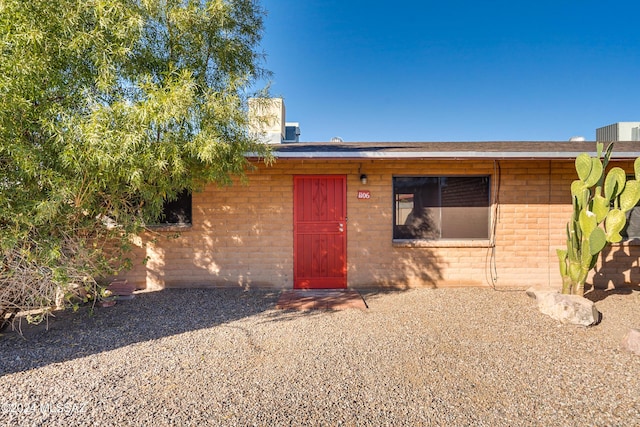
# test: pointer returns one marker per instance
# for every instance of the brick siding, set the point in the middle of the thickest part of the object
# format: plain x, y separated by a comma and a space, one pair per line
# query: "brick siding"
242, 235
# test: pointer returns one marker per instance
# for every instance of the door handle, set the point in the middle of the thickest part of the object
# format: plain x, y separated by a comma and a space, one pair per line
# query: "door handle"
341, 227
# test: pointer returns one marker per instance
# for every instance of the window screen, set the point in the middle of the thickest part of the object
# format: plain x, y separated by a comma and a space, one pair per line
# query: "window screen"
632, 227
446, 207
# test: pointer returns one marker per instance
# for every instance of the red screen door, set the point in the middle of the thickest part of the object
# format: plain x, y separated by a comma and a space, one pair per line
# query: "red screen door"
319, 229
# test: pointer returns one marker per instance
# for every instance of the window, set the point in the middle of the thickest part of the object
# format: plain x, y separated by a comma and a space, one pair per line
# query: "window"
434, 208
631, 229
177, 211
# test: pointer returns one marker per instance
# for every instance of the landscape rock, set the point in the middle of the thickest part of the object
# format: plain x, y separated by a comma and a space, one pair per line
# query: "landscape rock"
631, 341
572, 309
121, 288
538, 290
227, 357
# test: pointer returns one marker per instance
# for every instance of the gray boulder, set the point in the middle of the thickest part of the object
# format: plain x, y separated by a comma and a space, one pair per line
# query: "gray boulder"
572, 309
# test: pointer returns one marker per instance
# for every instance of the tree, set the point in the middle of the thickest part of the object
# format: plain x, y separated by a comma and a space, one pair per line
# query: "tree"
109, 108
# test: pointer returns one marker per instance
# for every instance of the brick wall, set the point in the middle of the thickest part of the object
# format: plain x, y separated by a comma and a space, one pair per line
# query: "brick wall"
242, 235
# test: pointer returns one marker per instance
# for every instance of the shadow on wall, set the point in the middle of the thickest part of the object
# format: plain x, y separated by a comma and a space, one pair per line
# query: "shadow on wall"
410, 268
154, 266
223, 250
619, 272
168, 265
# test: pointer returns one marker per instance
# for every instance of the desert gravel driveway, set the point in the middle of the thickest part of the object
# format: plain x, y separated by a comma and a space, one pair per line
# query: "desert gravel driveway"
451, 357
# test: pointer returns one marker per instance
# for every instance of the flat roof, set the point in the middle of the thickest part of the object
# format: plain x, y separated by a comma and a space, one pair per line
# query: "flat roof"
451, 150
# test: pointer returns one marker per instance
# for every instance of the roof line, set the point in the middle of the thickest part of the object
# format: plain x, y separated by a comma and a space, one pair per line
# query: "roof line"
439, 155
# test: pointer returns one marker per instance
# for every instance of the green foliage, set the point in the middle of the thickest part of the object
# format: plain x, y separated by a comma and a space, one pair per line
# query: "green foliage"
614, 183
583, 166
600, 201
629, 196
107, 109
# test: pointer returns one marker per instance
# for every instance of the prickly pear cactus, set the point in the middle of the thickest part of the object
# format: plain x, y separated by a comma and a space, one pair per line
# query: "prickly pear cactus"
600, 202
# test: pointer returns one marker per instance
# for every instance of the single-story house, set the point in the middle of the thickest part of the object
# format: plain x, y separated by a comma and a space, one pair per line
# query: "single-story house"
385, 215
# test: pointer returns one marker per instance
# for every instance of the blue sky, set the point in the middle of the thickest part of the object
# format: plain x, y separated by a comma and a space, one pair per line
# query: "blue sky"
454, 70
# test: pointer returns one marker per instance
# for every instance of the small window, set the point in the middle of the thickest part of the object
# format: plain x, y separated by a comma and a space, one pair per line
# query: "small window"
177, 211
435, 208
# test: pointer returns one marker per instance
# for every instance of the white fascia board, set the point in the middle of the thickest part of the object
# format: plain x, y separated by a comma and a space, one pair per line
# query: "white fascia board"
438, 155
422, 155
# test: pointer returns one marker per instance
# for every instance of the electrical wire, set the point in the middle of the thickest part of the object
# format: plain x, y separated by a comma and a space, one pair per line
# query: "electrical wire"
492, 267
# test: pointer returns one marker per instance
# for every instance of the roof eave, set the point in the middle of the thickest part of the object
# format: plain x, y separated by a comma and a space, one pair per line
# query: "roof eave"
451, 155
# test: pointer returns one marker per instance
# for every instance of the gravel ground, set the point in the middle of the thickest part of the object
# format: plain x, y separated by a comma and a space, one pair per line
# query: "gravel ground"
454, 357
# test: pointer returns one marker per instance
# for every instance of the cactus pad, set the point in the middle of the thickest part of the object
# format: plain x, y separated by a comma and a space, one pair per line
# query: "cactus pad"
614, 223
614, 183
630, 196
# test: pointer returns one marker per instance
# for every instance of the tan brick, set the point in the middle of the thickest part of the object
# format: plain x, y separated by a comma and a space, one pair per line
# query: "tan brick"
246, 231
